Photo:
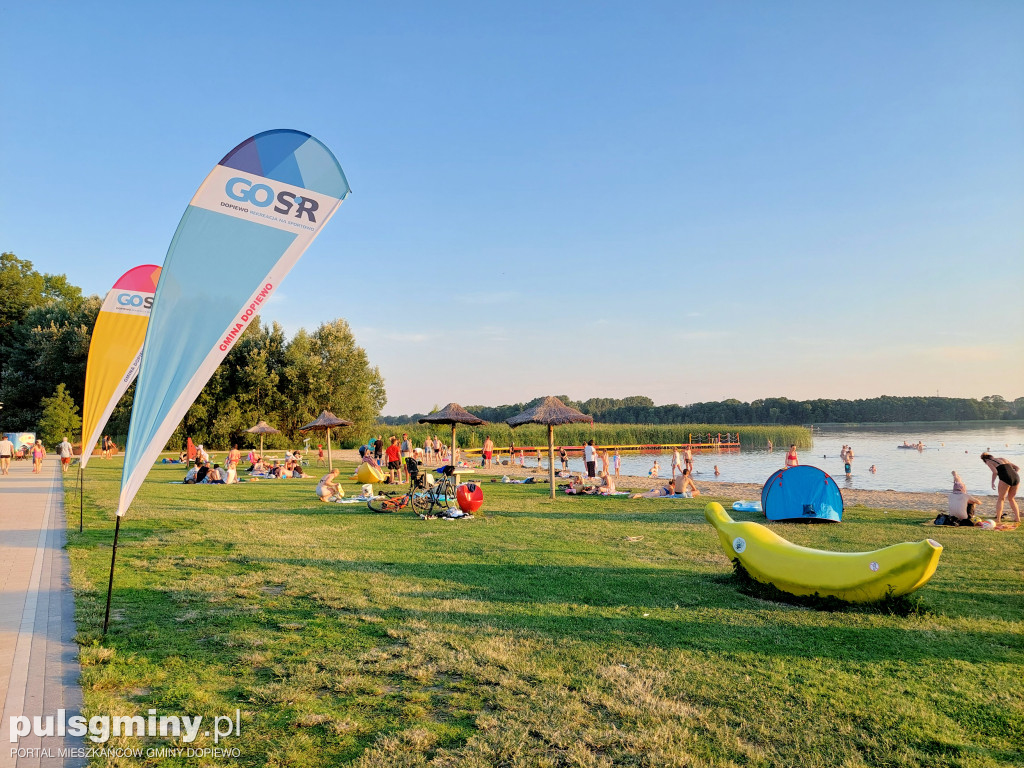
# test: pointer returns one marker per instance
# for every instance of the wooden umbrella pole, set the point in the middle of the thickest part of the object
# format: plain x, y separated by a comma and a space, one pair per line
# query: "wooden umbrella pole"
453, 444
551, 458
81, 491
330, 463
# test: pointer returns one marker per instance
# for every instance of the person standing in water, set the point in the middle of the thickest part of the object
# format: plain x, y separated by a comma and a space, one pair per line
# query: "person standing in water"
791, 459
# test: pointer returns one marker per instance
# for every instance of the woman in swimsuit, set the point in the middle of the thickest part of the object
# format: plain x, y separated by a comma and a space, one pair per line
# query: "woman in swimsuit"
38, 452
1008, 475
664, 490
791, 459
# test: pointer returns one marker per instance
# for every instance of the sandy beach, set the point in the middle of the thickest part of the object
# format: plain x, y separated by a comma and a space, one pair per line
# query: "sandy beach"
925, 502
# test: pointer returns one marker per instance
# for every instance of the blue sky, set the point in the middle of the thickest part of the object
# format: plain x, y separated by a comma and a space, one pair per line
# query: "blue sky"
689, 201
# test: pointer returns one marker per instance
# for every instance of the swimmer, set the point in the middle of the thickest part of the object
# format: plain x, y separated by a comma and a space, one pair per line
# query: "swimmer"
717, 471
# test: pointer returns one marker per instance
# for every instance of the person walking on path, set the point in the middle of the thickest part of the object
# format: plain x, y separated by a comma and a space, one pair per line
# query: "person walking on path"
590, 459
1008, 475
38, 453
6, 452
791, 459
65, 452
488, 451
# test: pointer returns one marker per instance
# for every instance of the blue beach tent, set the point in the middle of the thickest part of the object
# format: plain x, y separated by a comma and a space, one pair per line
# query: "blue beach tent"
768, 484
802, 493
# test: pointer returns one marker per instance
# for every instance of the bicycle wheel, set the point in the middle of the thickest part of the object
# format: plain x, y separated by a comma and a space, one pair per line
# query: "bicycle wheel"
421, 503
386, 504
444, 496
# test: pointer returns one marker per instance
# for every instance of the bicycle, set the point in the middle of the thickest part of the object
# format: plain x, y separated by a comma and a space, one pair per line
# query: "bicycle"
442, 493
420, 499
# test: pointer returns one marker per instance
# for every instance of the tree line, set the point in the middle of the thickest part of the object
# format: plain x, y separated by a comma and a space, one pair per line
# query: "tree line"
775, 410
46, 327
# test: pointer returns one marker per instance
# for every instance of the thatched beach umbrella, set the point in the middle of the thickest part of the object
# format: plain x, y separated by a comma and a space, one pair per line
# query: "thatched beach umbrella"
453, 414
550, 412
325, 422
261, 429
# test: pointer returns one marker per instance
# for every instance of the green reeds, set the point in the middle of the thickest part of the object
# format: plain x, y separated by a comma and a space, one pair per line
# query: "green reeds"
606, 434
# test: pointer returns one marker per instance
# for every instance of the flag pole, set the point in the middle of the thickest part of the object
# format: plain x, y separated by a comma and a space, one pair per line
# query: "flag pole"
110, 584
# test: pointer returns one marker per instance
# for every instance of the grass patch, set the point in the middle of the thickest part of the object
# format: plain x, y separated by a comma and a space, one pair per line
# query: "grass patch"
581, 632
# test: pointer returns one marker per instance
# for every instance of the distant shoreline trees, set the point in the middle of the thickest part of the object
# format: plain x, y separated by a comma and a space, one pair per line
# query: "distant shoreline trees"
776, 410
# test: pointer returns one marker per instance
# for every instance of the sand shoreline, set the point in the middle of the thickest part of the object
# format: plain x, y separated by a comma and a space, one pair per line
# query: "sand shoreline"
906, 500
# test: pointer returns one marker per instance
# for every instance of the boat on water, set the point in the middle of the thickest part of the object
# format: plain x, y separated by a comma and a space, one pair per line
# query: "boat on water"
912, 446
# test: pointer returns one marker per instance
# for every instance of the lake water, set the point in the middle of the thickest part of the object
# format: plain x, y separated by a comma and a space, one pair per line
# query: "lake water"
946, 448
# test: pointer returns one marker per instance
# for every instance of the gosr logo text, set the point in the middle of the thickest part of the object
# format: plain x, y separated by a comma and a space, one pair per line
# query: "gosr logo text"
261, 196
134, 300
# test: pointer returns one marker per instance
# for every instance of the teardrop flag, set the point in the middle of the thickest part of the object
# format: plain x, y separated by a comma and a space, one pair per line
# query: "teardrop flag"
246, 226
115, 350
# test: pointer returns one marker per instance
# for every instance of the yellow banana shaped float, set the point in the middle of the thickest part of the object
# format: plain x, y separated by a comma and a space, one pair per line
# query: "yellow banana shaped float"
857, 577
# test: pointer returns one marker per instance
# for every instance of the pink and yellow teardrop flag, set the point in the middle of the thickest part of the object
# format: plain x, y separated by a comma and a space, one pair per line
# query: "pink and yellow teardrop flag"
115, 351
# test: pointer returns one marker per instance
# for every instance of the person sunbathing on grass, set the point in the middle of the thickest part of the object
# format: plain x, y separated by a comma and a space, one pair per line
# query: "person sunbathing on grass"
654, 493
577, 487
607, 486
327, 489
684, 485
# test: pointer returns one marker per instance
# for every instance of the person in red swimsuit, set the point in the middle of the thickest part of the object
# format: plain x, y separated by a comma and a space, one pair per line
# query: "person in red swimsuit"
791, 459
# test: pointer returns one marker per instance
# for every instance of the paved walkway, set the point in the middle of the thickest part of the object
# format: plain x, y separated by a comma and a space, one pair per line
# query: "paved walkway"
38, 659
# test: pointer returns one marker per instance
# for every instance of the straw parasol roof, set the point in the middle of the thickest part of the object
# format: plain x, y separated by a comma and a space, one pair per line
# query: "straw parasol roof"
261, 429
453, 414
326, 421
550, 412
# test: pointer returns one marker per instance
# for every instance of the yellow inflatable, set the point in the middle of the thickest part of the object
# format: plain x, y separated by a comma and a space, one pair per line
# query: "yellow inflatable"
367, 474
857, 577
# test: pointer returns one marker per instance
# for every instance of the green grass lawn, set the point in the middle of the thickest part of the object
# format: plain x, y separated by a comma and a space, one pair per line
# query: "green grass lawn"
579, 632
